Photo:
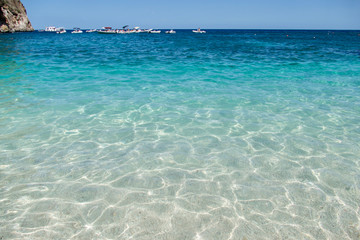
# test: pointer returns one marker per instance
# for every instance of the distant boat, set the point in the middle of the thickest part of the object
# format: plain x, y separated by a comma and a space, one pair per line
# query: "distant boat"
50, 29
106, 30
60, 30
155, 31
126, 31
170, 32
91, 30
77, 30
198, 31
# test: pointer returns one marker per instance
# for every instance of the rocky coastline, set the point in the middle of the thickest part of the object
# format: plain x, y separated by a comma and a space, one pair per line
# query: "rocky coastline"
13, 17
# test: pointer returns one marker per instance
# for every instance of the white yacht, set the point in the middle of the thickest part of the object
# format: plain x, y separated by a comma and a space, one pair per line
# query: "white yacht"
170, 32
91, 30
77, 30
155, 31
50, 29
198, 31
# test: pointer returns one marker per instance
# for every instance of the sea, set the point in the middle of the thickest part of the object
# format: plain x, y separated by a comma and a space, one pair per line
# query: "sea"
228, 135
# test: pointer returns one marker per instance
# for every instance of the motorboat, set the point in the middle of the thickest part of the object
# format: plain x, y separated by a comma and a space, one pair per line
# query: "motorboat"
155, 31
77, 30
170, 32
198, 31
60, 30
50, 29
126, 30
107, 30
91, 30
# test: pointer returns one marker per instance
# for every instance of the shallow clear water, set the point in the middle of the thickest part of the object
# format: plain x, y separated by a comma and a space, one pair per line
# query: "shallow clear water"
225, 135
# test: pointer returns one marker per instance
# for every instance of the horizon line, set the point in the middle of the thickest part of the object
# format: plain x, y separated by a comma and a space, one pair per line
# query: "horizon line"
276, 29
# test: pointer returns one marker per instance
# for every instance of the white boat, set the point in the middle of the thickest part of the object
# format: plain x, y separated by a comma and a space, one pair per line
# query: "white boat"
170, 32
126, 30
91, 30
50, 29
60, 30
155, 31
107, 30
198, 31
77, 30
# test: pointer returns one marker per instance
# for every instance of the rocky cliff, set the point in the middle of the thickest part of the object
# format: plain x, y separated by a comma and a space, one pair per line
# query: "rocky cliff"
13, 17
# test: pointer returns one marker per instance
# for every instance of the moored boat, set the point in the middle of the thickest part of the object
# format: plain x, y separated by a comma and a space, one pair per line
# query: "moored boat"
77, 30
107, 30
155, 31
60, 30
198, 31
170, 32
126, 31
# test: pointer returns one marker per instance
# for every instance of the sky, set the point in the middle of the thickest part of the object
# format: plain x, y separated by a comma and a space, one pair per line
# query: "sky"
187, 14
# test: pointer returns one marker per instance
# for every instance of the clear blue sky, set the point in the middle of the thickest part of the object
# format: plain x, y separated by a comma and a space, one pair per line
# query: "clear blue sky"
239, 14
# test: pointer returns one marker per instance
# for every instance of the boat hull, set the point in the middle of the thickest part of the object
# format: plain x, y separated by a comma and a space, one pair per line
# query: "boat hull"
106, 32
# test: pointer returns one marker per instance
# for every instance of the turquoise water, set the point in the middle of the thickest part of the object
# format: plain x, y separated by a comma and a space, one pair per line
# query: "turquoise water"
225, 135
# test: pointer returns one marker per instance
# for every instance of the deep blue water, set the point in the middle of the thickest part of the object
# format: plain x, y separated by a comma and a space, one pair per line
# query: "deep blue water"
232, 134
